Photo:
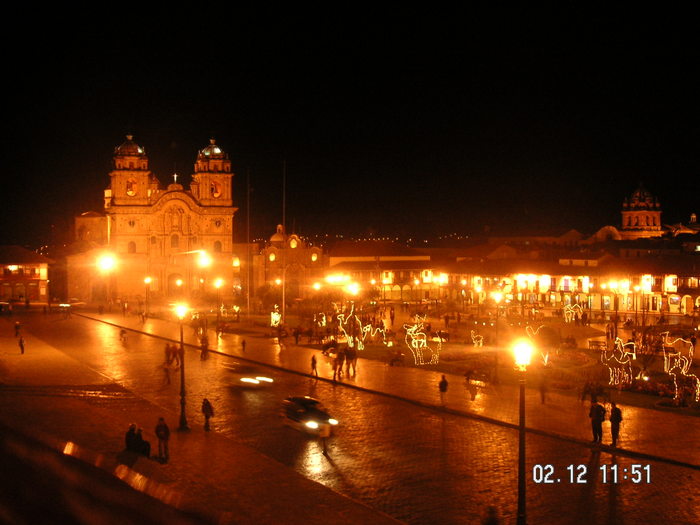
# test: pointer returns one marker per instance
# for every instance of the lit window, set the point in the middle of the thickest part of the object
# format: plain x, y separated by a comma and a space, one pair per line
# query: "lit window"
293, 243
314, 257
271, 257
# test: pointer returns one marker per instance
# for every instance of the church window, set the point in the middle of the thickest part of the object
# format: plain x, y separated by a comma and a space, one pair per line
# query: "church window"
217, 246
132, 223
314, 257
215, 189
217, 224
131, 187
271, 257
293, 244
174, 241
131, 247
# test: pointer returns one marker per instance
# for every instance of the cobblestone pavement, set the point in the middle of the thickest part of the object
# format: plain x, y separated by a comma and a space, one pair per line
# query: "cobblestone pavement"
412, 462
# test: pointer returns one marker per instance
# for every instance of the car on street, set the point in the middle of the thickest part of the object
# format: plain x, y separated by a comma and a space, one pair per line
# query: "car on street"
248, 376
308, 415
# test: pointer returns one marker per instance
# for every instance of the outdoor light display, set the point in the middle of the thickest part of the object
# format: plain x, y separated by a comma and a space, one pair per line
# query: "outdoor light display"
619, 362
571, 312
417, 342
477, 339
679, 362
355, 332
275, 317
532, 334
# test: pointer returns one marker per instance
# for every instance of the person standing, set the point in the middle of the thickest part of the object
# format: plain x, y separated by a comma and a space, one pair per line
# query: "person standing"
615, 420
17, 328
442, 386
163, 434
314, 371
21, 344
243, 345
597, 415
208, 412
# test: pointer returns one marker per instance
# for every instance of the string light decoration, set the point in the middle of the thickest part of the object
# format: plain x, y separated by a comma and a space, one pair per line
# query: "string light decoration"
679, 362
352, 326
477, 339
275, 317
417, 342
532, 334
571, 312
619, 362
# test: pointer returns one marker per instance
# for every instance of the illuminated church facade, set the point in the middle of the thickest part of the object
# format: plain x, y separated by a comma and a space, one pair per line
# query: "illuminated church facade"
162, 242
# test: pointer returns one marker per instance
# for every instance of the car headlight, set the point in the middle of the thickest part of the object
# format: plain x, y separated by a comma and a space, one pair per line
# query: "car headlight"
333, 421
312, 424
250, 380
265, 379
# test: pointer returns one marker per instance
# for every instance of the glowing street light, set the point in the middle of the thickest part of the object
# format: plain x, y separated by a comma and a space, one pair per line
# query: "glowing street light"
181, 310
106, 262
522, 351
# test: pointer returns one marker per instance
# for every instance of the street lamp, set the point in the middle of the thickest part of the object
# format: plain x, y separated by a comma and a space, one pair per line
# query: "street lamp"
218, 283
107, 263
181, 310
522, 350
636, 292
147, 281
497, 297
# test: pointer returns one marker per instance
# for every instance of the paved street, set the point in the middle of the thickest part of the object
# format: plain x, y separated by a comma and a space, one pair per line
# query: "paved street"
396, 452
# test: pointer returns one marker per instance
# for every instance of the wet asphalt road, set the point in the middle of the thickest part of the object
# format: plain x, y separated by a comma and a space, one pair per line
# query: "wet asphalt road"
415, 464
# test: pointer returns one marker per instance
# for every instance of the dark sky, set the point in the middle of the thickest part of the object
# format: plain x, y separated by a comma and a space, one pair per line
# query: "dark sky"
391, 132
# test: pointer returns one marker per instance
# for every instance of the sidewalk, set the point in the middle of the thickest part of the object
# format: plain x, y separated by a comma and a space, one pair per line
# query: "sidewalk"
73, 409
653, 434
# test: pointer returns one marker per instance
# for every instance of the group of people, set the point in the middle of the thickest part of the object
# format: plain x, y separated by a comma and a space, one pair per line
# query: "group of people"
597, 413
134, 441
172, 354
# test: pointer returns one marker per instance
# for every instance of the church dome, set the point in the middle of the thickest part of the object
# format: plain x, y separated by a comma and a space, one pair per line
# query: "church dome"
641, 199
212, 151
279, 235
129, 148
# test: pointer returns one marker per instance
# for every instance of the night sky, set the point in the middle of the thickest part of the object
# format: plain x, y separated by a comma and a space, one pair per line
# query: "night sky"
384, 131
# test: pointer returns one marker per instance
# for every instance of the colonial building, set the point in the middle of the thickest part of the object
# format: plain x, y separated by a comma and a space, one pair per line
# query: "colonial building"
24, 277
152, 241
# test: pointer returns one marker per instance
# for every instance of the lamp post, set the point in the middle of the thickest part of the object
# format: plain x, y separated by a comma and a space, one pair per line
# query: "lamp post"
636, 292
522, 350
218, 284
106, 263
497, 297
147, 281
181, 310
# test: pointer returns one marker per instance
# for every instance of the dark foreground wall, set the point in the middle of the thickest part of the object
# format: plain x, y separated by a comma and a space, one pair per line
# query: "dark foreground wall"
39, 485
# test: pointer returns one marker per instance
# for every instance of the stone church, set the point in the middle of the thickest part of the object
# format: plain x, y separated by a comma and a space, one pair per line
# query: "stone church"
152, 242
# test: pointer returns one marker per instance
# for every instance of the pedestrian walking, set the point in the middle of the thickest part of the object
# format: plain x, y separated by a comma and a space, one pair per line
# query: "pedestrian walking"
208, 412
442, 386
17, 328
243, 346
615, 420
313, 366
597, 415
21, 344
163, 434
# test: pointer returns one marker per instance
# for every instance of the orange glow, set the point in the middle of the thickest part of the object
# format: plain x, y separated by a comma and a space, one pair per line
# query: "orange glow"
106, 262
